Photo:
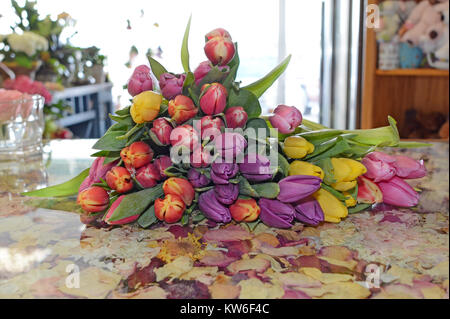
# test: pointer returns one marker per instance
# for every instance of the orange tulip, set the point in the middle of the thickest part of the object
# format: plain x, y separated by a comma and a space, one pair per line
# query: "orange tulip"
181, 109
170, 209
180, 187
119, 179
137, 155
245, 210
93, 199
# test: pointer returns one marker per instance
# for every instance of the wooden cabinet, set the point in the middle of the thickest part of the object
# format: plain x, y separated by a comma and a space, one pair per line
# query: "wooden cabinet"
395, 91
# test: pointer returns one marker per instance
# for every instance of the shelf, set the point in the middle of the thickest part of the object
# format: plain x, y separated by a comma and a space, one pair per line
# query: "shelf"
412, 72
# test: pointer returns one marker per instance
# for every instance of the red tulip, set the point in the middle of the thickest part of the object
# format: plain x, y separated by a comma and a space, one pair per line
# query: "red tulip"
209, 127
181, 187
162, 129
236, 117
119, 179
200, 158
170, 209
136, 155
161, 164
148, 175
245, 210
131, 217
213, 98
93, 199
182, 109
219, 47
219, 32
186, 136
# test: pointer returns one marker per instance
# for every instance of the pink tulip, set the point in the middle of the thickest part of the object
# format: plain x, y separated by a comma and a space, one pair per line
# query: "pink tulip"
409, 168
184, 136
162, 129
209, 127
140, 81
397, 192
161, 164
97, 171
236, 117
379, 166
213, 99
382, 167
286, 119
111, 218
203, 69
171, 85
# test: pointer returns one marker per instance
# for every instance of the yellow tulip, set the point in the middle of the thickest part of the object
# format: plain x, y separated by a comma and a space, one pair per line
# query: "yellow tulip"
332, 208
346, 171
145, 106
297, 147
305, 168
349, 200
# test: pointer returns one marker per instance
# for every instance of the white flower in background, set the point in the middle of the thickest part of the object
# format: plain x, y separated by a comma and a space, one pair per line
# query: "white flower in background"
28, 42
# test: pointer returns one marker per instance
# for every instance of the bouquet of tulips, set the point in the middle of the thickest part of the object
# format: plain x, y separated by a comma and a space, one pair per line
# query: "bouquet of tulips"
194, 145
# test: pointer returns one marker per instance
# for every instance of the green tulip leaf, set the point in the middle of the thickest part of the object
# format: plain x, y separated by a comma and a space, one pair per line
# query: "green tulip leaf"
214, 75
124, 111
68, 188
334, 192
339, 147
259, 87
247, 100
184, 48
136, 203
327, 167
283, 164
148, 217
267, 190
358, 208
109, 142
157, 68
246, 189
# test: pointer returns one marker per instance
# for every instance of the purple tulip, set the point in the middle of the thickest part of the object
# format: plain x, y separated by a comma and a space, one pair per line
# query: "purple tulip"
256, 168
96, 172
275, 213
227, 194
397, 192
197, 179
203, 69
286, 118
171, 85
296, 187
308, 211
222, 172
229, 145
212, 208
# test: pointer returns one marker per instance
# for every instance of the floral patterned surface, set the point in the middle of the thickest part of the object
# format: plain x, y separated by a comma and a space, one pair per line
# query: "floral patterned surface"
386, 253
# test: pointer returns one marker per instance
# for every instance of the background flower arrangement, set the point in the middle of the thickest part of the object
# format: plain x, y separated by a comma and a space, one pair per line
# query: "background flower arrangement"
303, 171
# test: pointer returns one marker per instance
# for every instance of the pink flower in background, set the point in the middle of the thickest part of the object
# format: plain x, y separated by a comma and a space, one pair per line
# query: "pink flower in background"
97, 171
10, 108
24, 84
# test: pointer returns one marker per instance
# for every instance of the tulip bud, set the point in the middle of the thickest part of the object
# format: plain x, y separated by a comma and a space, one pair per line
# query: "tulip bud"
162, 129
275, 213
212, 208
185, 136
245, 210
93, 199
119, 179
256, 168
145, 107
236, 117
368, 191
197, 179
226, 194
286, 119
209, 127
297, 147
111, 214
136, 155
148, 175
181, 109
346, 171
332, 208
308, 211
200, 157
180, 187
222, 172
140, 81
379, 166
97, 172
305, 168
409, 168
219, 48
230, 145
297, 187
397, 192
203, 69
171, 85
213, 98
162, 163
170, 209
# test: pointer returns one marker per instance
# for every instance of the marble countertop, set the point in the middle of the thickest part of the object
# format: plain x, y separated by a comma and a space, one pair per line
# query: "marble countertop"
385, 253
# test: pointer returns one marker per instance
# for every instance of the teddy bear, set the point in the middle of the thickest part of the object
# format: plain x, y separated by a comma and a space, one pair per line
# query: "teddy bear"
422, 17
435, 42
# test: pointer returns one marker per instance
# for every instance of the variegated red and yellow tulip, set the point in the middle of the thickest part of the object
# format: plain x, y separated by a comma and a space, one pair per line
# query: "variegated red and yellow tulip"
213, 98
236, 117
170, 209
245, 210
93, 199
119, 179
368, 191
219, 47
161, 130
136, 155
111, 216
185, 136
181, 187
181, 109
